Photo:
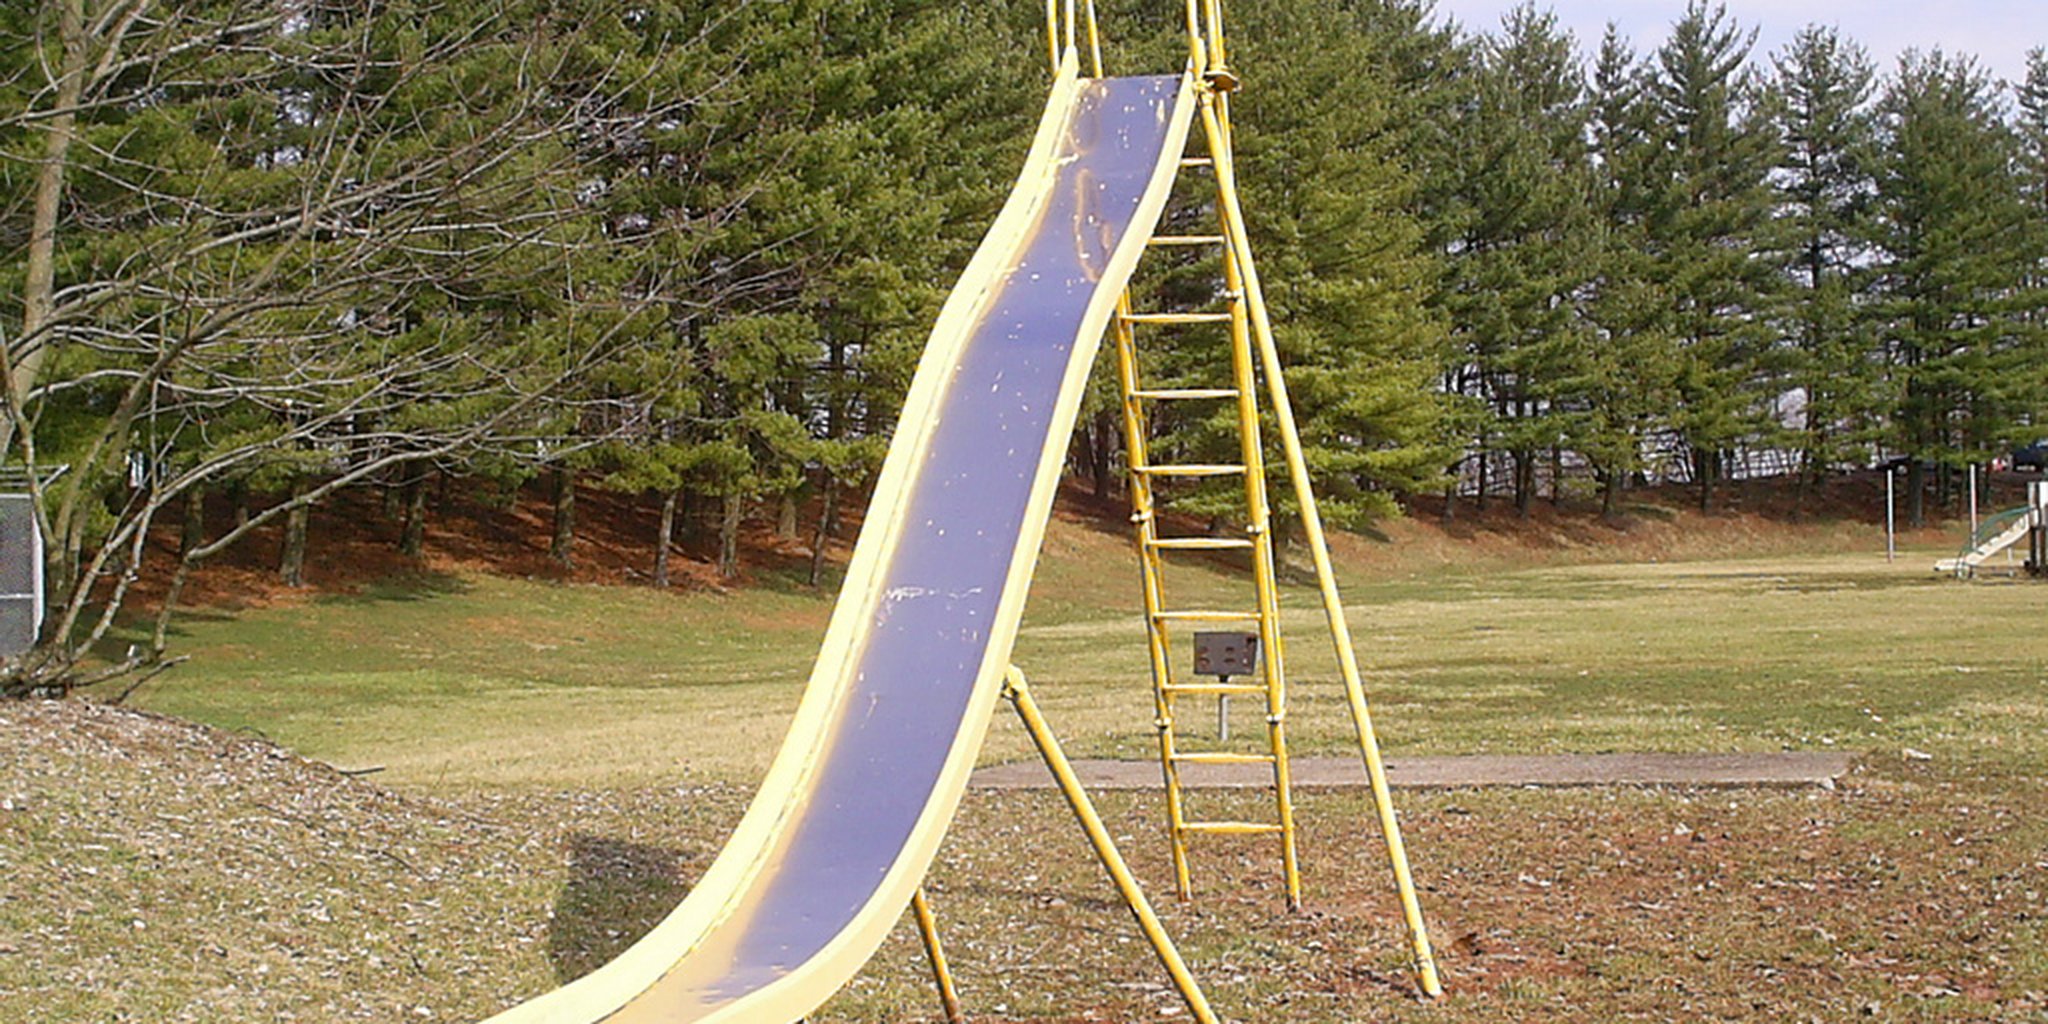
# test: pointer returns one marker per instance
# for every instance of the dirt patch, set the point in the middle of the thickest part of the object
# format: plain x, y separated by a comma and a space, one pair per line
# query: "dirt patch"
354, 544
150, 869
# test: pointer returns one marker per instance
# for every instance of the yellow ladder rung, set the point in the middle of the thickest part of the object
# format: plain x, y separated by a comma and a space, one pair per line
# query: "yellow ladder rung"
1229, 828
1187, 240
1197, 161
1189, 469
1185, 393
1198, 543
1175, 318
1212, 689
1217, 757
1205, 616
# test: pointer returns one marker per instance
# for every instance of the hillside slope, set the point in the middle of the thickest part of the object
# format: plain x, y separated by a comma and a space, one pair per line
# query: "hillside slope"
355, 541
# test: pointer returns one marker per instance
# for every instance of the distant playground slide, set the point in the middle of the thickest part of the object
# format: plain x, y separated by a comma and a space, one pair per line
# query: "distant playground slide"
848, 819
1996, 534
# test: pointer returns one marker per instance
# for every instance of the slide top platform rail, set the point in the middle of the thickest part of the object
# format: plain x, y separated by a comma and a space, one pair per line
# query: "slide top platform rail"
1071, 25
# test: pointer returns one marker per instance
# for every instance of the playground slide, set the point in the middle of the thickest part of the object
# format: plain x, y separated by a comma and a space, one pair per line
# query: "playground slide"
2004, 530
851, 812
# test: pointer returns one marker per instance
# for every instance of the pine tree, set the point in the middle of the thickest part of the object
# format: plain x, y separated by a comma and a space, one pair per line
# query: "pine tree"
1707, 220
1331, 90
1825, 189
286, 264
1628, 379
1953, 228
2032, 127
1524, 250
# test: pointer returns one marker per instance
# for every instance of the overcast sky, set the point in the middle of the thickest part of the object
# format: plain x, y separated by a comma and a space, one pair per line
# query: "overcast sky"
1998, 32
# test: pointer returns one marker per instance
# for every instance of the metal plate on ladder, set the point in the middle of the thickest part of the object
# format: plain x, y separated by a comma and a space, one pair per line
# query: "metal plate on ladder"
1226, 654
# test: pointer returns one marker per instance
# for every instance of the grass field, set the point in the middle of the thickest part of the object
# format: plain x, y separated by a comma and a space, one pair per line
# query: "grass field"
576, 752
478, 680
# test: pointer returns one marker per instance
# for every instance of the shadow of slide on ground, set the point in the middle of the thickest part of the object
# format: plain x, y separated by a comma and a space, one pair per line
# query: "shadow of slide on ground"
616, 892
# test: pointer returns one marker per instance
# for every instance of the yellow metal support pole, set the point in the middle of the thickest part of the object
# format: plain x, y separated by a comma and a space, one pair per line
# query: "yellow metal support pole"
1264, 578
1143, 514
1216, 123
928, 930
1052, 34
1094, 40
1105, 847
1215, 33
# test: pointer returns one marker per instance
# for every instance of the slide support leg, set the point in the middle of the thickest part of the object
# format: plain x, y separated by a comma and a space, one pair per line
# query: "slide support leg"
928, 930
1105, 847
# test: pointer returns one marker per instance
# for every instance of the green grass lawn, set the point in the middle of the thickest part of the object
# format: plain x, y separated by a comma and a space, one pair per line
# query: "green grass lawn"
482, 680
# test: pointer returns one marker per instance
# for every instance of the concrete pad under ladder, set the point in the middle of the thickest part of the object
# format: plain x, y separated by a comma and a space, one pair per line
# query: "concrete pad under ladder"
1790, 769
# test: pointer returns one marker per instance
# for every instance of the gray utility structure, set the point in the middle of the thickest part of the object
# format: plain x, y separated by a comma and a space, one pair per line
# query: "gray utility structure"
2037, 541
21, 575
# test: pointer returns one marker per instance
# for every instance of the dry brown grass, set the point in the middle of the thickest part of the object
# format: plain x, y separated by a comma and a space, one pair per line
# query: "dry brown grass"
158, 871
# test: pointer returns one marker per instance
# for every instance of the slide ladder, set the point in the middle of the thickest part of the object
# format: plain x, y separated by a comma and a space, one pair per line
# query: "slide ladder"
1254, 361
1164, 622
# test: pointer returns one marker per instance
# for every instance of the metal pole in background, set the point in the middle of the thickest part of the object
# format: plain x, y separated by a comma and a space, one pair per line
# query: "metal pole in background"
2037, 555
1973, 499
1891, 544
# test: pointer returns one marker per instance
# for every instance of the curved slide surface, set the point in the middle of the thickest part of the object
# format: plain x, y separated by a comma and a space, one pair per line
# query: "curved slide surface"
851, 812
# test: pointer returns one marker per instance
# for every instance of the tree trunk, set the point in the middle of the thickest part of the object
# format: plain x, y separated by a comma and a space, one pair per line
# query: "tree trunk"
238, 496
1610, 495
667, 534
1485, 464
1525, 481
785, 516
1099, 457
1280, 526
1804, 481
729, 536
820, 537
1916, 494
412, 538
38, 288
194, 533
1705, 469
291, 566
1451, 499
1556, 476
688, 512
561, 547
